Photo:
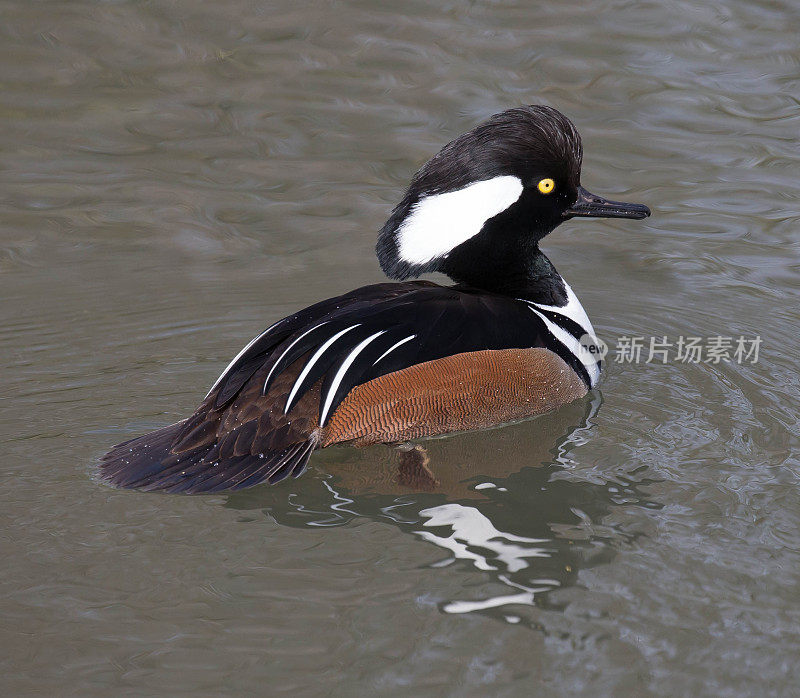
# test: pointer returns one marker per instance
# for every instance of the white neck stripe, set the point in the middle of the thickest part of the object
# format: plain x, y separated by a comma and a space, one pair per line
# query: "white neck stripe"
571, 309
573, 345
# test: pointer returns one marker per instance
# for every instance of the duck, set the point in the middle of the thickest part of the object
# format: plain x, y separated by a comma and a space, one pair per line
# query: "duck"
400, 361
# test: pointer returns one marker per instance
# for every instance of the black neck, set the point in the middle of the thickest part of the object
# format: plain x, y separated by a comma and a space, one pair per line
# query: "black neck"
511, 266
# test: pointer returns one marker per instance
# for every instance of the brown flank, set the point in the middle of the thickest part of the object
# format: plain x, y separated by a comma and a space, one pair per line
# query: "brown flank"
465, 391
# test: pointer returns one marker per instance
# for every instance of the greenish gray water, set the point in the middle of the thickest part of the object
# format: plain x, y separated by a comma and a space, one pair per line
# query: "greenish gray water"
175, 176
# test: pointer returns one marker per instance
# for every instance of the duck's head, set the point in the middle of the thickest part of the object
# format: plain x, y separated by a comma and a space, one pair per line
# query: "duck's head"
490, 195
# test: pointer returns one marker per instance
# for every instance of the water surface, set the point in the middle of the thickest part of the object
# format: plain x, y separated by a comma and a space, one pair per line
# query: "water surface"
176, 176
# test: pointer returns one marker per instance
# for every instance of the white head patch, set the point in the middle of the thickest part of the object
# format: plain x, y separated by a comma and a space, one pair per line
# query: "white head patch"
440, 222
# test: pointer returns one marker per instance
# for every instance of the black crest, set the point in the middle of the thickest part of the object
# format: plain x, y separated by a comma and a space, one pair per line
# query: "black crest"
526, 142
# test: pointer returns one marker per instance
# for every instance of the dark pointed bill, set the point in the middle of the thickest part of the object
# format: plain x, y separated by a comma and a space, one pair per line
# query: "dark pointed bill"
590, 205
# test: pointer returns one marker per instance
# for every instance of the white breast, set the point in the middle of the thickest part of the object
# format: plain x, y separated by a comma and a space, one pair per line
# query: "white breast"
573, 310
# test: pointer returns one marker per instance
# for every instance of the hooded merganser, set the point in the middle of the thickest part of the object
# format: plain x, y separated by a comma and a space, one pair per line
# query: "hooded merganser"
397, 361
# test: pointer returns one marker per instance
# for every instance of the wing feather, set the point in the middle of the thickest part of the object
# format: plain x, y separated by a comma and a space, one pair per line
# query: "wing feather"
248, 430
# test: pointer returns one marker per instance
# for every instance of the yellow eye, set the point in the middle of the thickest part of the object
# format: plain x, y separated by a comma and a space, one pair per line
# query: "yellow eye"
546, 185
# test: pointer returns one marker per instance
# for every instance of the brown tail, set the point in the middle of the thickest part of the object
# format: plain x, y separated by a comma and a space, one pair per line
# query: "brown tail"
148, 463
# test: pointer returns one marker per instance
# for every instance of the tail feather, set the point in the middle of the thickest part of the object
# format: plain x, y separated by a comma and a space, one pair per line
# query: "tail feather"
234, 471
293, 466
183, 468
138, 459
150, 463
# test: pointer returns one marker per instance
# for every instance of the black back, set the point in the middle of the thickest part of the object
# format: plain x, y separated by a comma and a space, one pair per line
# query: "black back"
443, 321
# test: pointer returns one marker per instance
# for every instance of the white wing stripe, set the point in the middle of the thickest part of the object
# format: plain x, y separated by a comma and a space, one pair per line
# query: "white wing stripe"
307, 368
337, 379
393, 347
286, 351
239, 356
581, 353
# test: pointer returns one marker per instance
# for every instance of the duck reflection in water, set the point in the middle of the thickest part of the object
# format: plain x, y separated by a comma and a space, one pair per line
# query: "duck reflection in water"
514, 506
